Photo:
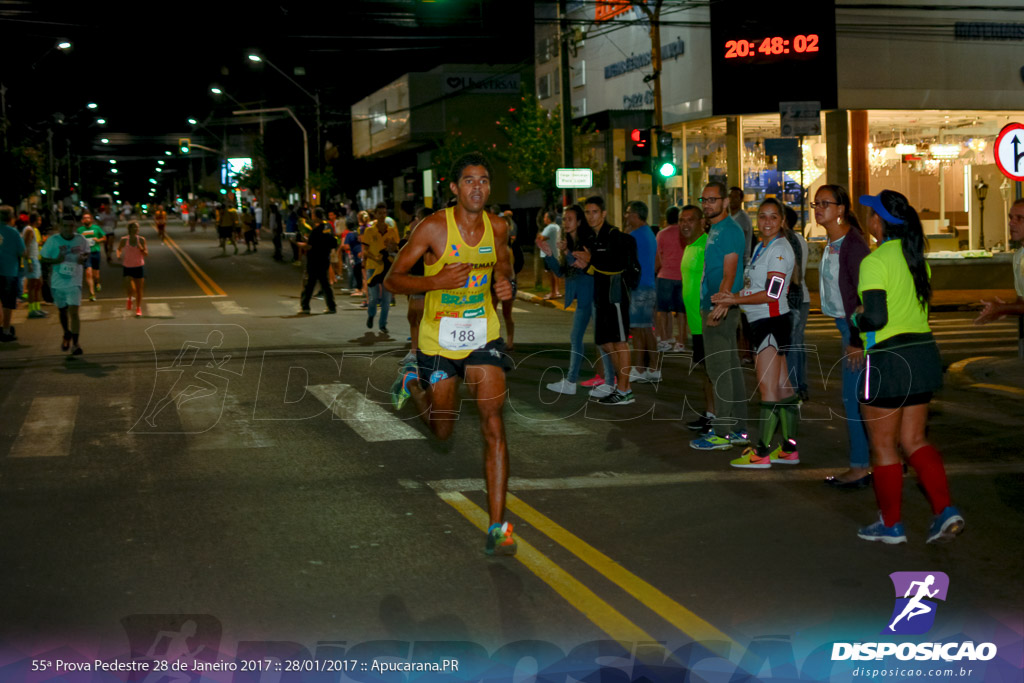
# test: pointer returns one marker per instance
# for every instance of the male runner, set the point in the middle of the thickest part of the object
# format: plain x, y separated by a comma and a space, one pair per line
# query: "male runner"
67, 252
95, 236
465, 252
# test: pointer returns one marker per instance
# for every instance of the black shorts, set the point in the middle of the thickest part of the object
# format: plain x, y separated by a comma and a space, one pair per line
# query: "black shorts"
94, 260
8, 292
433, 369
136, 272
697, 344
773, 332
225, 232
611, 320
900, 370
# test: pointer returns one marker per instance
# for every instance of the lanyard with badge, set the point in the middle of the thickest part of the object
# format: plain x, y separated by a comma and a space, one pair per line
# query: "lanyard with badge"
774, 287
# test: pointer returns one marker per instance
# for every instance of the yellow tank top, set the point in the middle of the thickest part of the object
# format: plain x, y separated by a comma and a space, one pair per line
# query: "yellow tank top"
457, 322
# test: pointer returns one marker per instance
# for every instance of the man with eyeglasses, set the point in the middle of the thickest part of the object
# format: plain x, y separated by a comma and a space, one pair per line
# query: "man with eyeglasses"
723, 272
997, 308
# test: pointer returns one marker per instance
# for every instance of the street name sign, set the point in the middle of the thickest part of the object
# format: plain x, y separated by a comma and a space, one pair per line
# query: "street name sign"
1009, 151
574, 178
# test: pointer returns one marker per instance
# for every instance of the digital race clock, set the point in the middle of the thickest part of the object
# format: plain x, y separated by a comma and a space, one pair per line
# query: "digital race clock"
761, 56
771, 46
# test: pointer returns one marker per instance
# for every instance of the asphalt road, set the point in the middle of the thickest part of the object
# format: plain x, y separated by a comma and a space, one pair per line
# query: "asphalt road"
280, 499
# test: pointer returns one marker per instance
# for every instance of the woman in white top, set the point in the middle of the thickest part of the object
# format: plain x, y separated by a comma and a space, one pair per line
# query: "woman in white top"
763, 300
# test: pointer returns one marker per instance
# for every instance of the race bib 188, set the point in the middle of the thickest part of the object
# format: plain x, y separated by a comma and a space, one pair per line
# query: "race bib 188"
461, 334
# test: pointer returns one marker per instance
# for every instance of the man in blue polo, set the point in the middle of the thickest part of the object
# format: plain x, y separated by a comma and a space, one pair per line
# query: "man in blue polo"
723, 272
12, 248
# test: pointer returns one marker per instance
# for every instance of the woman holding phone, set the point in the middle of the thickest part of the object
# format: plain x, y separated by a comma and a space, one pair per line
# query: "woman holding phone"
763, 299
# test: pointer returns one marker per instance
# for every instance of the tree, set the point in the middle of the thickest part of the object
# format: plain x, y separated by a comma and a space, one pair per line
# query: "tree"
22, 173
533, 152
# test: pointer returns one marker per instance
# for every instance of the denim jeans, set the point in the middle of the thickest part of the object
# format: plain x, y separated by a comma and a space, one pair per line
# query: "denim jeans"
722, 360
379, 295
796, 354
580, 321
854, 424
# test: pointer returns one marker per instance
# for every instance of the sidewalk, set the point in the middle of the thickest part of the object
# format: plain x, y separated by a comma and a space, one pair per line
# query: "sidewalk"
943, 300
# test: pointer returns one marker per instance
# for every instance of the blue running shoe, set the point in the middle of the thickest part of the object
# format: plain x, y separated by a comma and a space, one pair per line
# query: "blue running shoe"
711, 442
947, 525
886, 534
499, 540
400, 389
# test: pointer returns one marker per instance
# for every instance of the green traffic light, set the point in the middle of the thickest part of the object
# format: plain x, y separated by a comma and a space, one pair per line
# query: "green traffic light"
668, 169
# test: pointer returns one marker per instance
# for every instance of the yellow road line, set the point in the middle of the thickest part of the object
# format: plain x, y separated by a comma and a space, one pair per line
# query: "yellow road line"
188, 269
603, 615
652, 598
212, 285
1000, 388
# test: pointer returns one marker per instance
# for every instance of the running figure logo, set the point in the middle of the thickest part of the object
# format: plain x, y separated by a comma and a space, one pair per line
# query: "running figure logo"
189, 391
916, 592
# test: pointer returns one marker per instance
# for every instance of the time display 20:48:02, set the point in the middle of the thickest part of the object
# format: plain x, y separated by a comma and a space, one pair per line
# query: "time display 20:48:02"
771, 46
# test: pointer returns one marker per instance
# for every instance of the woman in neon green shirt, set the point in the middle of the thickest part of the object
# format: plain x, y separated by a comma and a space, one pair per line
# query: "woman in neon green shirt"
902, 369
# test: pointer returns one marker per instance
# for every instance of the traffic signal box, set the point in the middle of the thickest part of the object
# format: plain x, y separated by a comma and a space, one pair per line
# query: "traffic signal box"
184, 145
666, 164
641, 142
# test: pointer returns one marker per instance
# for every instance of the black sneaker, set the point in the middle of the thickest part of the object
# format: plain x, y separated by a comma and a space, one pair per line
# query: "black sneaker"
369, 322
77, 351
618, 398
384, 330
331, 310
700, 424
4, 337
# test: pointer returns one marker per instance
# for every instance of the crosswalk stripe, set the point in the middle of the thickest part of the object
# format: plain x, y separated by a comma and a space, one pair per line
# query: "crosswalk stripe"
229, 307
366, 418
158, 310
537, 421
47, 428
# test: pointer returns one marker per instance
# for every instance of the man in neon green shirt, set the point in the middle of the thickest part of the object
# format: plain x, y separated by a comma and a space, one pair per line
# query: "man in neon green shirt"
694, 239
96, 237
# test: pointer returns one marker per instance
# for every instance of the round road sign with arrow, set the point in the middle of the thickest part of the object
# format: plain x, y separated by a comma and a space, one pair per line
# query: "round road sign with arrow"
1009, 151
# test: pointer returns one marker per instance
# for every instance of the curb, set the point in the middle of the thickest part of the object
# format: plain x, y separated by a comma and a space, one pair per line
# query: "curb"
534, 299
960, 375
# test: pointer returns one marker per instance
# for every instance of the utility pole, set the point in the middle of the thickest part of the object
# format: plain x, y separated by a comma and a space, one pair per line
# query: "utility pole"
49, 176
654, 17
564, 39
3, 112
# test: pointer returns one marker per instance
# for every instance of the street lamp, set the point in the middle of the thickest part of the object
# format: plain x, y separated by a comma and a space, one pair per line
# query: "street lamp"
167, 153
253, 57
101, 122
220, 91
64, 45
981, 190
305, 137
104, 141
92, 105
192, 121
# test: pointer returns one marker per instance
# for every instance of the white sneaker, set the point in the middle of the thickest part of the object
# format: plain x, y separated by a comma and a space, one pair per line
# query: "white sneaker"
637, 375
408, 358
653, 376
678, 348
665, 345
563, 386
601, 391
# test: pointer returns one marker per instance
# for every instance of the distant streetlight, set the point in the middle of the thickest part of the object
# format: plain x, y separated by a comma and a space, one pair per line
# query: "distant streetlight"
167, 154
216, 91
101, 122
64, 45
113, 170
161, 162
113, 161
253, 57
159, 170
153, 180
192, 121
92, 105
104, 140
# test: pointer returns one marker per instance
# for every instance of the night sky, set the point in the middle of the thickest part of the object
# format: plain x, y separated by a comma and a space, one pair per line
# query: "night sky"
149, 72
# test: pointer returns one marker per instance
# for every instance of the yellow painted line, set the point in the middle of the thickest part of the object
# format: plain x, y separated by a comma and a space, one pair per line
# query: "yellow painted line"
212, 285
1001, 388
652, 598
603, 615
958, 370
188, 269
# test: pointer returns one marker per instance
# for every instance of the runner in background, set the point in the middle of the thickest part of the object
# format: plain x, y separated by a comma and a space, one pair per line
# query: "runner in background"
132, 253
160, 221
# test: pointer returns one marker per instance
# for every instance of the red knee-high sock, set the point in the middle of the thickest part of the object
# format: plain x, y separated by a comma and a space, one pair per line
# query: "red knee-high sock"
888, 481
927, 462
